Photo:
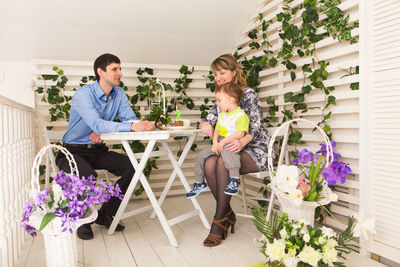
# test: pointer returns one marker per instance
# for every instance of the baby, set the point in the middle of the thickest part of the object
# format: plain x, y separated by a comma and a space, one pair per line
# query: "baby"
232, 124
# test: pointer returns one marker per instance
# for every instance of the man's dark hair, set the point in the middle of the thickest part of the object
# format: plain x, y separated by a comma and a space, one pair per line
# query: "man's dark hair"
103, 61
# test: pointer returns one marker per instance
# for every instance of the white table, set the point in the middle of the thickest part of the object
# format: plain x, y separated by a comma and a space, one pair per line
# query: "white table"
153, 137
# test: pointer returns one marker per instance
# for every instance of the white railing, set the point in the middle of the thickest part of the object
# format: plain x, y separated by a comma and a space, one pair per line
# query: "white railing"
16, 156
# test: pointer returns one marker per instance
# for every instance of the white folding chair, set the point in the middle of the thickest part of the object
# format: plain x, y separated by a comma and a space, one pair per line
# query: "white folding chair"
56, 136
283, 155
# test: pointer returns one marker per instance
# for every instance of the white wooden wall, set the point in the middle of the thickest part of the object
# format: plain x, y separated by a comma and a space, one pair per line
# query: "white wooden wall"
380, 123
16, 150
167, 73
345, 115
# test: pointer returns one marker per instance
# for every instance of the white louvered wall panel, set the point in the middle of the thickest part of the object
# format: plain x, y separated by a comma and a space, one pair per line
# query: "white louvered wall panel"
380, 124
74, 70
345, 115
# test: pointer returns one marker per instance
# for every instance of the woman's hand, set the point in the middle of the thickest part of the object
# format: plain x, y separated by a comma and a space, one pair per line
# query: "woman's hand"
95, 138
143, 126
234, 146
206, 128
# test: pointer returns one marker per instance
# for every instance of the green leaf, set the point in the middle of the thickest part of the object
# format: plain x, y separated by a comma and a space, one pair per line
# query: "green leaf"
46, 219
293, 75
306, 89
252, 34
355, 86
288, 97
331, 100
183, 69
272, 62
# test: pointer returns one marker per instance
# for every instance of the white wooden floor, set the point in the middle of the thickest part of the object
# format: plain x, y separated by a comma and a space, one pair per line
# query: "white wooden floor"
143, 242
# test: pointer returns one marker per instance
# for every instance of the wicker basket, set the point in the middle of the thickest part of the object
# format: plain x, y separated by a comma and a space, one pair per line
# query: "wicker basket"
306, 210
61, 247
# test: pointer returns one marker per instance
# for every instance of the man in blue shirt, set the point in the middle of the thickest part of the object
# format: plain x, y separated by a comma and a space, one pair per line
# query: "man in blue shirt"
93, 110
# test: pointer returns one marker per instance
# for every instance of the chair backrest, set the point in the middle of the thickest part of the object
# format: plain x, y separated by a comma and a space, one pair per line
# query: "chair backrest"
284, 134
51, 136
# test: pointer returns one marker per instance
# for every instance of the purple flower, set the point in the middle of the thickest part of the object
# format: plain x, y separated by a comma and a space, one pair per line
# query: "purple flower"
323, 150
336, 172
79, 194
27, 212
29, 229
304, 157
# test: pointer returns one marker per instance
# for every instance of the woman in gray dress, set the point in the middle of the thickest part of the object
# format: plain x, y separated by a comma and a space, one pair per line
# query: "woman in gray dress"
252, 147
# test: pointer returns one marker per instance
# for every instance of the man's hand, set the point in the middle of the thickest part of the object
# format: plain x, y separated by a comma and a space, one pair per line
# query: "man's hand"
143, 126
95, 138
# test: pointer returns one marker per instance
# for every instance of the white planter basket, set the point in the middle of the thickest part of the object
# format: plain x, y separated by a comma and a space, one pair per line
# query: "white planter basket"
61, 247
306, 210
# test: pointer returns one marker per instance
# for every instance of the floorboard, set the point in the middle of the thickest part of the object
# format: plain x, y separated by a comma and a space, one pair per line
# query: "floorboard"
143, 243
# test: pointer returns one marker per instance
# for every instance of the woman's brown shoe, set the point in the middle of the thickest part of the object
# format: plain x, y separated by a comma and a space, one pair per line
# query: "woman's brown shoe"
212, 239
230, 220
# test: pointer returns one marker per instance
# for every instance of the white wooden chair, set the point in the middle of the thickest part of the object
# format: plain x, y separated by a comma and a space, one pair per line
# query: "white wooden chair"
51, 167
283, 155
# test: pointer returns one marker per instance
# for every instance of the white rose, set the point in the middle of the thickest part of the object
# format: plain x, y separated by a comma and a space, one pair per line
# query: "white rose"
328, 232
332, 243
310, 255
276, 250
329, 255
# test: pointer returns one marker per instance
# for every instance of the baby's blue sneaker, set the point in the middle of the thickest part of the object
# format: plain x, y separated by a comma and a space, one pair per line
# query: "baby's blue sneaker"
233, 187
196, 190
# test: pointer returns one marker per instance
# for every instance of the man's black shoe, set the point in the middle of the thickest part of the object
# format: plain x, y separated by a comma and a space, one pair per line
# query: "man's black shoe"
85, 232
106, 220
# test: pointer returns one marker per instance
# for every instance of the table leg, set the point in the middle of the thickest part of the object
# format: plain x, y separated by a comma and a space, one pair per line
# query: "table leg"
184, 182
159, 212
171, 179
138, 173
139, 176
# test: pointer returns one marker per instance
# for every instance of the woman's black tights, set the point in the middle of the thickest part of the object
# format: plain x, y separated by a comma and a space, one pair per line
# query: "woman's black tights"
218, 178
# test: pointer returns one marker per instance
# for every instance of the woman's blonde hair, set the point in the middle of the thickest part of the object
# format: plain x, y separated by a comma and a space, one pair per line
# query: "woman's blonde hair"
229, 62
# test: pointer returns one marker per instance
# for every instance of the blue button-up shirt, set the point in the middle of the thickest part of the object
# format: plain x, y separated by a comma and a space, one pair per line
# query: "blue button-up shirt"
92, 112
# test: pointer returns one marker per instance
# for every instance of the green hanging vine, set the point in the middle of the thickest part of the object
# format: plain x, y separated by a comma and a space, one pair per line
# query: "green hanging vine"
148, 90
301, 28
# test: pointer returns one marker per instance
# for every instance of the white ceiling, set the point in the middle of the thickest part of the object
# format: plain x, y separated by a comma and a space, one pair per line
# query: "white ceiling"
149, 31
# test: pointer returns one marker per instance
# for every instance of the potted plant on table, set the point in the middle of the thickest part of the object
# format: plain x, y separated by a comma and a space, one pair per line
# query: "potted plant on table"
157, 115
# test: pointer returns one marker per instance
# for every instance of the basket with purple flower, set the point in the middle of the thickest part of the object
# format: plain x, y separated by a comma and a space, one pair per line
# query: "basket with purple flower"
304, 185
57, 211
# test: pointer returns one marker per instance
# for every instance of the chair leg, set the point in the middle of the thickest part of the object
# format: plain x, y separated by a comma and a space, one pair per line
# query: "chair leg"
244, 196
270, 204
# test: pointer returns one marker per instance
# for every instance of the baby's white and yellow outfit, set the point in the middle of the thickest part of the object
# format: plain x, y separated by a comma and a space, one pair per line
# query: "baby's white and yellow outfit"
228, 123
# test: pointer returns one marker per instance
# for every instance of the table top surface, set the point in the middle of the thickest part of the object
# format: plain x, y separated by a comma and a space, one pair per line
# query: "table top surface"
151, 135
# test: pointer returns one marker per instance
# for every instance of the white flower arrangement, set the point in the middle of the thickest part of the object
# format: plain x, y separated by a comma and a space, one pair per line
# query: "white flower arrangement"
296, 243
